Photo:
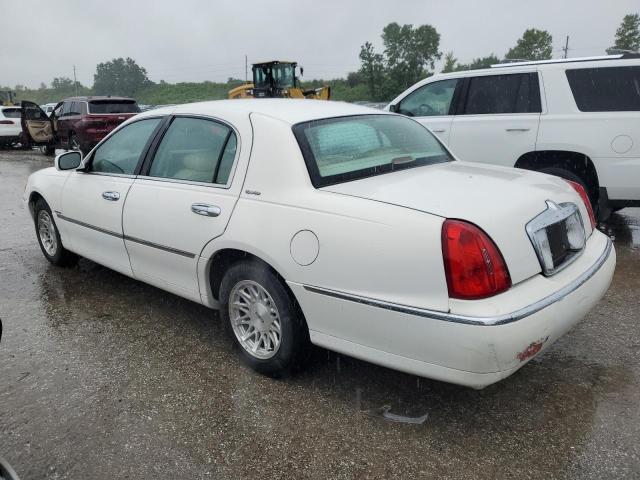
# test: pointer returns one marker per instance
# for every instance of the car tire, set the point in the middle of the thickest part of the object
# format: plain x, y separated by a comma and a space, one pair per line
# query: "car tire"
74, 143
264, 320
49, 237
49, 150
568, 175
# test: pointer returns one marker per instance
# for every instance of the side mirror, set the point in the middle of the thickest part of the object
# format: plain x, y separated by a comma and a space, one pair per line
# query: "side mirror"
394, 108
6, 472
301, 71
68, 161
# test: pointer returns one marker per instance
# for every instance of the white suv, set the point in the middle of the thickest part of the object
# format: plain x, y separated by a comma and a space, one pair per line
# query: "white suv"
577, 118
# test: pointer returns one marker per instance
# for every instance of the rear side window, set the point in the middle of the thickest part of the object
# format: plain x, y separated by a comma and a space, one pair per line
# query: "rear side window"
197, 150
610, 89
113, 106
11, 112
512, 93
121, 152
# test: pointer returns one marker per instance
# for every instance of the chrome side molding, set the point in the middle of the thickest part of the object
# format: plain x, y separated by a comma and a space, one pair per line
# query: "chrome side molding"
475, 320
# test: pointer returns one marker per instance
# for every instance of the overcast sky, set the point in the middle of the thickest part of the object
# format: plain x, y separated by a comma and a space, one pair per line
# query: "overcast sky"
197, 40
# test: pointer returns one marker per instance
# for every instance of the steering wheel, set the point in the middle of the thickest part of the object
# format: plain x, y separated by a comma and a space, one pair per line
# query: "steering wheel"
112, 164
425, 109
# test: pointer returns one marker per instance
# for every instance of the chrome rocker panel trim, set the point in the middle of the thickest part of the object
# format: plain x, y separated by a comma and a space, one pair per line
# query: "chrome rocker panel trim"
474, 320
126, 237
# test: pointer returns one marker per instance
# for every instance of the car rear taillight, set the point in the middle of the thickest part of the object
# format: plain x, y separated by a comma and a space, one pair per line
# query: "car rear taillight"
472, 263
6, 122
585, 199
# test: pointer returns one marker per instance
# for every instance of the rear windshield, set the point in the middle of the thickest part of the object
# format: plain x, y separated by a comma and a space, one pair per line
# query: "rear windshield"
611, 89
11, 112
113, 106
341, 149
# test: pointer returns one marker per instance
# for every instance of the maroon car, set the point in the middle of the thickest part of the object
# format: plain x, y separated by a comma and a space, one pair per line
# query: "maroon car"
77, 123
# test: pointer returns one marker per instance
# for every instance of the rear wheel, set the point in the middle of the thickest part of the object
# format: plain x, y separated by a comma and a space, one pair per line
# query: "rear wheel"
49, 237
266, 323
568, 175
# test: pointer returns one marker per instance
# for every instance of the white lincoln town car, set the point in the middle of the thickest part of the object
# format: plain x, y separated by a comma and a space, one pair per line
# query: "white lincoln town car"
332, 224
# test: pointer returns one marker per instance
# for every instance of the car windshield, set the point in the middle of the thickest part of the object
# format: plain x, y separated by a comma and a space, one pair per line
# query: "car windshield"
349, 148
11, 112
282, 75
113, 106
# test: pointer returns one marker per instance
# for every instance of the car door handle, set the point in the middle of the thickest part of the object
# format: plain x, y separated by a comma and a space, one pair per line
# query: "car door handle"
111, 196
517, 129
205, 209
439, 130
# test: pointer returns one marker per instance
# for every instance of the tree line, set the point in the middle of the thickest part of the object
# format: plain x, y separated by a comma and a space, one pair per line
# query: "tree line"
409, 54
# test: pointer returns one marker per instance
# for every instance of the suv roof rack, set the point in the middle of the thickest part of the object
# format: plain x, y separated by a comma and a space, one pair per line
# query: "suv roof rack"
518, 63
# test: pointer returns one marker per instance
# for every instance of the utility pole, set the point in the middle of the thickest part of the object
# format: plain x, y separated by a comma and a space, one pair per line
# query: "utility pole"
75, 82
245, 70
566, 47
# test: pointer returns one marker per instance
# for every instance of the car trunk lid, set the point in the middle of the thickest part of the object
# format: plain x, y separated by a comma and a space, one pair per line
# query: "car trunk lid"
499, 200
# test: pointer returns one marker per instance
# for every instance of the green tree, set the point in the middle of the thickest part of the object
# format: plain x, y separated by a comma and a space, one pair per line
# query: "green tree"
450, 63
62, 83
409, 54
371, 70
120, 77
628, 33
483, 62
534, 45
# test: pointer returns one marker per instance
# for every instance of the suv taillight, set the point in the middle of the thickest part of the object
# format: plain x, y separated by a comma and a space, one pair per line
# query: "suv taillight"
585, 199
472, 263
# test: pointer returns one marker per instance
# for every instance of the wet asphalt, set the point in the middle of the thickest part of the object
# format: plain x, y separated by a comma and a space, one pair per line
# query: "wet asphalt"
104, 377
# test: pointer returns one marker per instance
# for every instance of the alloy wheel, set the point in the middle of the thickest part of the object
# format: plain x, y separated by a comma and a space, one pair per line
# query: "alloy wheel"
47, 233
255, 319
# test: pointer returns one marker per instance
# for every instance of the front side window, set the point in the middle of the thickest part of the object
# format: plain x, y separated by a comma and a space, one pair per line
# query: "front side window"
121, 152
430, 100
76, 108
342, 149
66, 108
611, 89
33, 112
511, 93
197, 150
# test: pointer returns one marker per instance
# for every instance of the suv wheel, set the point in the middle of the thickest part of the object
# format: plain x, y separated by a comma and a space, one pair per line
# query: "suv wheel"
268, 327
568, 175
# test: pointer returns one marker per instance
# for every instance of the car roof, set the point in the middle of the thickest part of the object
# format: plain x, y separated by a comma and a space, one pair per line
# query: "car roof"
290, 111
97, 97
591, 62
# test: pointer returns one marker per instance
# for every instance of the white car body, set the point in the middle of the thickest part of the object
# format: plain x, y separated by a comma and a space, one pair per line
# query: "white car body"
362, 258
601, 147
10, 127
48, 108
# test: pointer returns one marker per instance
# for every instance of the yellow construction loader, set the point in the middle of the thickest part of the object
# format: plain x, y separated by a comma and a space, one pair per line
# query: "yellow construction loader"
7, 97
277, 79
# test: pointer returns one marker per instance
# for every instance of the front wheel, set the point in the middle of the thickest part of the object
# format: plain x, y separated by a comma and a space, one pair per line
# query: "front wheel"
49, 238
74, 143
268, 327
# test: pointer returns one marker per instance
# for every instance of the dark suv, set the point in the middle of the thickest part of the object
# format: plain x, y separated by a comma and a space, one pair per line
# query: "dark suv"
77, 123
